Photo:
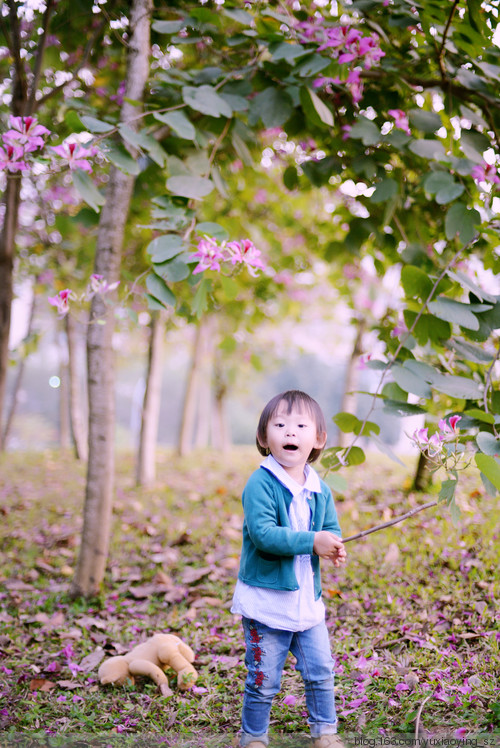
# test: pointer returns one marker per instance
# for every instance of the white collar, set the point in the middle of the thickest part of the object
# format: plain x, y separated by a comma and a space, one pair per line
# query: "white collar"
312, 482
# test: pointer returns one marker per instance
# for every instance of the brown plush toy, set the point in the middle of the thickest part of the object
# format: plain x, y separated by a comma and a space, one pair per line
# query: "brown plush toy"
151, 658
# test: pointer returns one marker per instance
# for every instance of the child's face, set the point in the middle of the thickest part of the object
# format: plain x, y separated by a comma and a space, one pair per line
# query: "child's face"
290, 437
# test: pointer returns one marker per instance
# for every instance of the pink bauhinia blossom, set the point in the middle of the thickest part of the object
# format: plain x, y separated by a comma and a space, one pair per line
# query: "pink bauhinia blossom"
26, 132
11, 158
485, 173
97, 284
449, 429
76, 155
246, 252
400, 120
209, 255
61, 301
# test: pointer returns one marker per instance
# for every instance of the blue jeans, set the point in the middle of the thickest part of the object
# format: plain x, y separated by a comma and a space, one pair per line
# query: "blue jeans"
266, 652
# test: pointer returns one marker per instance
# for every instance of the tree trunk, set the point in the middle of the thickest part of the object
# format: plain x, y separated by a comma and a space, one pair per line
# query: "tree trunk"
100, 470
76, 400
221, 433
7, 244
64, 412
146, 462
204, 394
190, 397
348, 403
422, 478
19, 377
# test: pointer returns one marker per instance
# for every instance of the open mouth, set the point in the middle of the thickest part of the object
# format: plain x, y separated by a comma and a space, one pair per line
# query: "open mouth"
290, 447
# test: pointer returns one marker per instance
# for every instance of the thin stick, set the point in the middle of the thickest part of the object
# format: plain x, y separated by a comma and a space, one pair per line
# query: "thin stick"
417, 723
390, 523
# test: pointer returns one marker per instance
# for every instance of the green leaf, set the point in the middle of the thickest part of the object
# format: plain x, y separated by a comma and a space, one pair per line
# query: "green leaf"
425, 121
87, 189
366, 131
287, 51
466, 282
241, 149
469, 351
447, 492
144, 142
460, 387
179, 123
315, 109
159, 290
95, 125
429, 149
336, 482
473, 144
165, 247
421, 369
416, 282
212, 229
454, 312
462, 221
200, 300
356, 456
168, 27
206, 100
273, 106
480, 415
346, 422
488, 444
397, 408
385, 190
490, 468
443, 185
192, 187
174, 270
319, 172
120, 157
291, 178
410, 382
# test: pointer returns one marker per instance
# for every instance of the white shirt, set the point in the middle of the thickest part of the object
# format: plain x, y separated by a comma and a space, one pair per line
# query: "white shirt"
288, 610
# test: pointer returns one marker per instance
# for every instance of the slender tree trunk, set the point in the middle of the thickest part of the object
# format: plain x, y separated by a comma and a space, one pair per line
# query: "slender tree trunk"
221, 433
64, 411
19, 377
348, 403
7, 244
146, 458
77, 402
422, 478
204, 394
191, 395
100, 470
23, 102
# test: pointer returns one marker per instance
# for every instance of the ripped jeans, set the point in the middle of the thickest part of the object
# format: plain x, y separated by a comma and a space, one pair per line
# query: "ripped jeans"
266, 652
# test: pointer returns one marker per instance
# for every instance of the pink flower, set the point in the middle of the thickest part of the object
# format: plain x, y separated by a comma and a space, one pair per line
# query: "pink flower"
435, 444
363, 360
290, 700
76, 155
209, 255
11, 158
400, 120
61, 301
485, 173
26, 132
451, 428
355, 85
346, 131
245, 251
402, 687
97, 284
420, 436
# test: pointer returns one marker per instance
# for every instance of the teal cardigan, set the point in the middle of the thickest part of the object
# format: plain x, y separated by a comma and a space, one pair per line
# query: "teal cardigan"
269, 543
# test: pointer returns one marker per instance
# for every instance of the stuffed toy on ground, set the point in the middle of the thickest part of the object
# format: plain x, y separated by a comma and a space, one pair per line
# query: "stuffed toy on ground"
151, 659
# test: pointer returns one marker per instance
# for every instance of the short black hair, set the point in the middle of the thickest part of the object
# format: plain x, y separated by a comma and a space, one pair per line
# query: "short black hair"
291, 398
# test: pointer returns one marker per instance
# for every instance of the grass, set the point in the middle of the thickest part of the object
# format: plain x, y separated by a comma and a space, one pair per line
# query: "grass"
413, 616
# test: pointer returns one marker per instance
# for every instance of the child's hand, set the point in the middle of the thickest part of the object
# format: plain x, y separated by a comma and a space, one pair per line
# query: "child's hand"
329, 546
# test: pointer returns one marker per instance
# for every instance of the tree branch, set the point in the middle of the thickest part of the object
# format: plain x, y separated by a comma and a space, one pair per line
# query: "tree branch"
487, 386
86, 54
443, 41
37, 70
391, 522
19, 86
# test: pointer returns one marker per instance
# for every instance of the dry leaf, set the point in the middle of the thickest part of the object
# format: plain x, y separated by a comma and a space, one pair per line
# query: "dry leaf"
41, 684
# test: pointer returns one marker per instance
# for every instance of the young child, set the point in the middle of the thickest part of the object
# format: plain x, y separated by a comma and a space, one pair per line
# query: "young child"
289, 523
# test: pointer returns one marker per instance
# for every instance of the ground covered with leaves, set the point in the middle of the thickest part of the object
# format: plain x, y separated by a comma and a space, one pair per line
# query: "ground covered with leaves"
414, 616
